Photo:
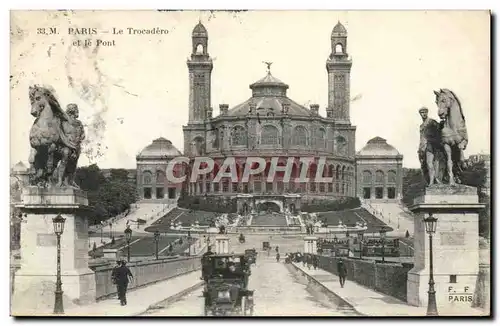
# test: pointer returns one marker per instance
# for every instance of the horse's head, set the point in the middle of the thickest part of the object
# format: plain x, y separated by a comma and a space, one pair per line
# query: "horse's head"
41, 98
444, 102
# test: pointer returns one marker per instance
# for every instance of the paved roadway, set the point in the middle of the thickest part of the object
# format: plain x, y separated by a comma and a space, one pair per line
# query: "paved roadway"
279, 291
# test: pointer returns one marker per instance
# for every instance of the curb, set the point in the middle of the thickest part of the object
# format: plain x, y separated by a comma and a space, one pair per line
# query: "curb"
173, 298
312, 278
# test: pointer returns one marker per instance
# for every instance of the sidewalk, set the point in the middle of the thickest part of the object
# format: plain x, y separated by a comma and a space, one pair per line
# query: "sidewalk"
368, 302
140, 300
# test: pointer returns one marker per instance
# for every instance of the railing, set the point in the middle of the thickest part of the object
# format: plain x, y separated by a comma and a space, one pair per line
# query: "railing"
268, 228
388, 278
145, 272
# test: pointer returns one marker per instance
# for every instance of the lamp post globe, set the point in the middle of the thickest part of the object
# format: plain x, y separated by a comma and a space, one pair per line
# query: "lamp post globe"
58, 223
128, 237
430, 228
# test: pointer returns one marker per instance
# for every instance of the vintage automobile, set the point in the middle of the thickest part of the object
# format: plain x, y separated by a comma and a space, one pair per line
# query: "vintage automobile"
266, 246
251, 256
226, 285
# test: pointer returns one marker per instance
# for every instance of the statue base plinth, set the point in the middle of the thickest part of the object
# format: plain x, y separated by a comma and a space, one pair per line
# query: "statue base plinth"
455, 246
222, 244
311, 245
35, 280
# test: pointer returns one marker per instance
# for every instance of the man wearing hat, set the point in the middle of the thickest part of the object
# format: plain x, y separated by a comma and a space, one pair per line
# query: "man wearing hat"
429, 145
122, 275
342, 271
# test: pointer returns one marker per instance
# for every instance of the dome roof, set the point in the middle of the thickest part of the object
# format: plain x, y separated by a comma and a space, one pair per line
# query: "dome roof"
200, 30
268, 96
19, 167
378, 147
339, 29
160, 148
268, 80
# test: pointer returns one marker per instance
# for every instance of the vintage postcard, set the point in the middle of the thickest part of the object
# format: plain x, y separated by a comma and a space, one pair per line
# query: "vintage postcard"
250, 163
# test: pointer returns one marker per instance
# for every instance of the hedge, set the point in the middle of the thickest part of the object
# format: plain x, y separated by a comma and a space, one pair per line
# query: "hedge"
326, 205
208, 203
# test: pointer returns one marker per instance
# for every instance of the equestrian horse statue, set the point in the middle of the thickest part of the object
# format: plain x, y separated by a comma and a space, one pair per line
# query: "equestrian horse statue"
453, 132
55, 140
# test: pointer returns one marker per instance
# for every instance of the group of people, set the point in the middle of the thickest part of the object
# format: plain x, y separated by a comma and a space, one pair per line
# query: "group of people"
121, 275
313, 261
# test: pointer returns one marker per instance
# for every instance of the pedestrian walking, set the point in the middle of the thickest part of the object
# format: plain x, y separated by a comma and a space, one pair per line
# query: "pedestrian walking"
113, 275
123, 276
309, 261
278, 257
315, 262
342, 271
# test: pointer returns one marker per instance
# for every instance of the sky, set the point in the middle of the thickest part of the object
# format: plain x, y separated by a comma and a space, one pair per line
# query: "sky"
137, 90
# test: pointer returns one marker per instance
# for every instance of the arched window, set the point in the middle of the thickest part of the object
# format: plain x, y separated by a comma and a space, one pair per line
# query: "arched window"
391, 176
199, 49
367, 177
239, 136
147, 178
198, 146
339, 48
343, 173
320, 138
341, 145
270, 135
299, 136
160, 177
379, 176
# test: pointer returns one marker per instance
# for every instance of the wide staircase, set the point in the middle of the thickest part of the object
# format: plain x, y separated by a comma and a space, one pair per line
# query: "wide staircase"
274, 219
149, 212
393, 214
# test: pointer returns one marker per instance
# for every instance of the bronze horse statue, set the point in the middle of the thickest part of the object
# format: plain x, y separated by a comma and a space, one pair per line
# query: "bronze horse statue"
50, 139
454, 137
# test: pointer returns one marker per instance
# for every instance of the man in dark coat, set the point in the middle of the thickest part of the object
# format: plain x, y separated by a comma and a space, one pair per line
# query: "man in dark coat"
342, 270
113, 275
123, 275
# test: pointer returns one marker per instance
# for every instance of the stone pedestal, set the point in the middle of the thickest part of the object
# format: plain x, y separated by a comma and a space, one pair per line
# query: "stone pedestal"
310, 245
222, 244
455, 246
35, 280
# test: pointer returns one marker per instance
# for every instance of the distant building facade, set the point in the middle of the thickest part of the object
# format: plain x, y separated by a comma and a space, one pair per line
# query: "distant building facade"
269, 124
379, 171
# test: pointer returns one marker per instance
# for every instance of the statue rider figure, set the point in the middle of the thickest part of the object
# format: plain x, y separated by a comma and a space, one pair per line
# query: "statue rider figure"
429, 146
75, 134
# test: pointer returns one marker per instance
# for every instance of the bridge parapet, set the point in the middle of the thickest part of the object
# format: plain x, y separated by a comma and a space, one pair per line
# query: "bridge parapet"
145, 273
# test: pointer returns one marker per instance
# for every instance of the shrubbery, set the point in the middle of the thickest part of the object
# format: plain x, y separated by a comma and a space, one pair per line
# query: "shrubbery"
208, 203
326, 205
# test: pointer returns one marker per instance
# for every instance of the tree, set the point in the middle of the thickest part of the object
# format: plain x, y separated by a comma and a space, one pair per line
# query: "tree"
108, 197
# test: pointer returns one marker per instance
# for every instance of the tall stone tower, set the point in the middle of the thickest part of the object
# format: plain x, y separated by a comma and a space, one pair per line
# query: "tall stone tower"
200, 72
338, 66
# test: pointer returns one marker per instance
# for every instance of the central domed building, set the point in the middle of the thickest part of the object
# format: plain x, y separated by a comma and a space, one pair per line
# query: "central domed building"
269, 124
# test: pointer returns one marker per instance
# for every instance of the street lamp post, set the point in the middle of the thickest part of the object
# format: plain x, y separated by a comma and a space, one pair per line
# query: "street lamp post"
128, 237
110, 230
382, 237
361, 244
157, 238
58, 223
189, 242
430, 227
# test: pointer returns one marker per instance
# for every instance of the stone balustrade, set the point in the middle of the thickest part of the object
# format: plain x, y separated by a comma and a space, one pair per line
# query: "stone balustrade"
145, 272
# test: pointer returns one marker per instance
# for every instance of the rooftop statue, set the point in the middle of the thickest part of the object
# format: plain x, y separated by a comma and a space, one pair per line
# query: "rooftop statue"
55, 140
442, 144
